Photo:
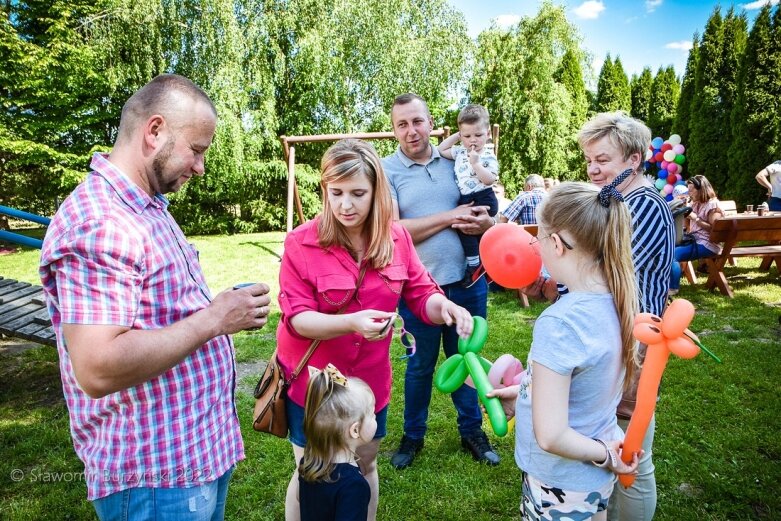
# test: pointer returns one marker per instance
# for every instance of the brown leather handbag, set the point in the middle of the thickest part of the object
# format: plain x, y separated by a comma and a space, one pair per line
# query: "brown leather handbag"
271, 390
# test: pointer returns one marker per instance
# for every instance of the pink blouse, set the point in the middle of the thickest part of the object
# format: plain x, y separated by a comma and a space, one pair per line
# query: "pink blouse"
703, 211
315, 279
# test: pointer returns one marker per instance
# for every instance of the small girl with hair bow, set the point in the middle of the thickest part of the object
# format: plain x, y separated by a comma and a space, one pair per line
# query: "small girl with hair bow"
567, 436
338, 418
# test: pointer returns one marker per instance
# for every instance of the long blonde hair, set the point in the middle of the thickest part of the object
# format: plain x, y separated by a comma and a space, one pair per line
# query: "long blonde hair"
349, 158
331, 408
605, 235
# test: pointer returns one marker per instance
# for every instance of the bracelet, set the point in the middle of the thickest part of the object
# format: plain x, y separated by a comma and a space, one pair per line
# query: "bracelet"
610, 458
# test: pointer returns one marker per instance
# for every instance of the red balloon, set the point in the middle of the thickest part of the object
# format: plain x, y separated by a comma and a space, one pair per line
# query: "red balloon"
666, 147
508, 256
672, 179
659, 156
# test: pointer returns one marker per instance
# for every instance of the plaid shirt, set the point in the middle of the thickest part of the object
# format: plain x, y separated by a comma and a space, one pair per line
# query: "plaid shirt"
113, 255
524, 207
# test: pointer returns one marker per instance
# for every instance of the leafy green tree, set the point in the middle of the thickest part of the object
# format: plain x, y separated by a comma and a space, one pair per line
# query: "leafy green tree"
664, 98
681, 125
755, 114
50, 94
570, 75
641, 87
518, 76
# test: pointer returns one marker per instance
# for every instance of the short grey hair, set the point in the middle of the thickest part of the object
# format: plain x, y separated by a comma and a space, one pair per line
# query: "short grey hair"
534, 181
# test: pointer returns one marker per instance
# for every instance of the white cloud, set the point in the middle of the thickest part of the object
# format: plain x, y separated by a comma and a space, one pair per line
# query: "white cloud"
683, 45
651, 5
589, 10
507, 20
758, 4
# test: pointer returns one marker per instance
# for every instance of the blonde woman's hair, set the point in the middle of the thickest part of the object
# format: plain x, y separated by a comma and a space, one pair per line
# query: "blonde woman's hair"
346, 159
627, 134
329, 411
604, 235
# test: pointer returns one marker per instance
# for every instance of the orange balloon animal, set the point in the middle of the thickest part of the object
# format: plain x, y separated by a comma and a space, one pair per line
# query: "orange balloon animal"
663, 336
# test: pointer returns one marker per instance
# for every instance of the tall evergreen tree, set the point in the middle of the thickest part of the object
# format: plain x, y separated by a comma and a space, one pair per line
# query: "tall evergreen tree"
606, 97
681, 125
755, 114
775, 65
621, 81
664, 98
641, 87
722, 45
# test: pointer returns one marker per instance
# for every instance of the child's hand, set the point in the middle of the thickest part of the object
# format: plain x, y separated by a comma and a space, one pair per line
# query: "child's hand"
508, 396
474, 157
621, 467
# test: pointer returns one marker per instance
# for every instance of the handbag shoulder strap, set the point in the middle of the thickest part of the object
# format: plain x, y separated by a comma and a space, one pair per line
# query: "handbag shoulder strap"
316, 342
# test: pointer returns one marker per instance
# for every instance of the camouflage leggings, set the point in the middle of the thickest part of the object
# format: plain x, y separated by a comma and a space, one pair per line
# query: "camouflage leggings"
543, 503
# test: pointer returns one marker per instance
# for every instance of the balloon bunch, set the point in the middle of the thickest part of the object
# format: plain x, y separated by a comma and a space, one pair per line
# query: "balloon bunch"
509, 256
668, 156
663, 336
453, 374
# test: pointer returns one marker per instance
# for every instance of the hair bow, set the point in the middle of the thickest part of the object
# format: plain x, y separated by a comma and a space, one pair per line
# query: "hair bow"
610, 190
332, 373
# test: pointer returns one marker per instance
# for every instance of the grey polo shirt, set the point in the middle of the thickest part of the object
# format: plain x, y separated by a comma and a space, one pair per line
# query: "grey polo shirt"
425, 189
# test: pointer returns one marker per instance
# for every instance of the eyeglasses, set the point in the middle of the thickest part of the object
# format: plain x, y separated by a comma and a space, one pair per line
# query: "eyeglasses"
538, 239
407, 340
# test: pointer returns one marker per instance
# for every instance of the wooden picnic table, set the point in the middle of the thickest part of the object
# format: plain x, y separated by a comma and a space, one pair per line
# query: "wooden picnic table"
744, 235
23, 312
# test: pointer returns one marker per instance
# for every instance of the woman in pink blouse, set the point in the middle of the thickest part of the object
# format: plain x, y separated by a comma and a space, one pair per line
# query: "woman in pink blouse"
705, 211
319, 273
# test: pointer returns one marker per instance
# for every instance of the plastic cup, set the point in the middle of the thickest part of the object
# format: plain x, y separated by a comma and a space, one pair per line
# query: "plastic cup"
749, 208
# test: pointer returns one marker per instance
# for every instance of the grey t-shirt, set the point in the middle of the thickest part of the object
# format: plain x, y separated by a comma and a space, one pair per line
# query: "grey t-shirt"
422, 190
579, 336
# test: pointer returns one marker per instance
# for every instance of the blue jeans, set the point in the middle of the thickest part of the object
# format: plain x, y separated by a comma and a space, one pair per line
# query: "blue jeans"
200, 503
687, 252
420, 368
774, 204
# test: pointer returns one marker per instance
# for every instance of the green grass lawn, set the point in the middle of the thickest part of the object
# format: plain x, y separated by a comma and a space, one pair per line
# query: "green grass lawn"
718, 437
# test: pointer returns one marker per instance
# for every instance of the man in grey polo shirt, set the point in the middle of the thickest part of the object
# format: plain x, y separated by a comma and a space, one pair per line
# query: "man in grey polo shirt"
425, 201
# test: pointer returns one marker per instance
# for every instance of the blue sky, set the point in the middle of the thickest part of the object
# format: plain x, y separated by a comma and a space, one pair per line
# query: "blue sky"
643, 33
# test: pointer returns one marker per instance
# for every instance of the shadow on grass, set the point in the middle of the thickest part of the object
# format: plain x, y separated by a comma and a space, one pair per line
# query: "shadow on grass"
263, 247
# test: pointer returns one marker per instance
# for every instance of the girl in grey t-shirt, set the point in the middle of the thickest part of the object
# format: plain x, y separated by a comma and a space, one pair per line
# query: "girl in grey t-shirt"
567, 436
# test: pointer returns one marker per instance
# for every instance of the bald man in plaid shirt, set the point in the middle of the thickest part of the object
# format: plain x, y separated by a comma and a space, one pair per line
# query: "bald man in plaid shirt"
146, 360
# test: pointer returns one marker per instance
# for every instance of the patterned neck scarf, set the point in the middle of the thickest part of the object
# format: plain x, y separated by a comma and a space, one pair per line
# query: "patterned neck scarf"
610, 190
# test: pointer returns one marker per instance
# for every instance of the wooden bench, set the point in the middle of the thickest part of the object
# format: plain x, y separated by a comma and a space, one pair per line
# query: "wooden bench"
733, 231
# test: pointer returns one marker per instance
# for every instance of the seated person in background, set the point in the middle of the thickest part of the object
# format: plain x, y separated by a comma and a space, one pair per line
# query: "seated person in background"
523, 209
705, 211
503, 201
550, 182
770, 178
476, 170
